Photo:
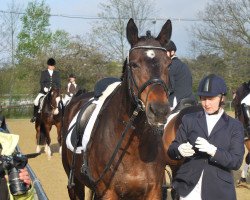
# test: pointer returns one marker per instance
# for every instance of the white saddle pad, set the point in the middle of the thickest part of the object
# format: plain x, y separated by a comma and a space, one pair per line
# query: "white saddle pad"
90, 125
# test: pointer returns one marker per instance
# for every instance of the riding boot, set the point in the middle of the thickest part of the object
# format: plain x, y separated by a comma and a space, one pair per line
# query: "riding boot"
246, 113
35, 112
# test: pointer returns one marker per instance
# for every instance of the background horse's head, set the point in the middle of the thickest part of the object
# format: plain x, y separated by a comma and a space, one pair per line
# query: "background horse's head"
240, 93
146, 72
54, 96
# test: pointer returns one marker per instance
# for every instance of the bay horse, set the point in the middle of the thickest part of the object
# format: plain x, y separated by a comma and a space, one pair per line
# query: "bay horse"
242, 91
51, 114
125, 157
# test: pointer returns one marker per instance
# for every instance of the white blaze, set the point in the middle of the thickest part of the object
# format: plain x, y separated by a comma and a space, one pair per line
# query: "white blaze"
150, 53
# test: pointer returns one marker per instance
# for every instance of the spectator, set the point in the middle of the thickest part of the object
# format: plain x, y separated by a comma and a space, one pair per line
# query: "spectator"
212, 144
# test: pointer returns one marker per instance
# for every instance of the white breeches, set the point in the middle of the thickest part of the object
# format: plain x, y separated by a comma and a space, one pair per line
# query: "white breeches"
246, 100
36, 101
195, 194
66, 99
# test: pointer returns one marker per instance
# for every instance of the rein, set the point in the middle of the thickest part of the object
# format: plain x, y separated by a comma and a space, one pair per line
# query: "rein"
124, 133
153, 81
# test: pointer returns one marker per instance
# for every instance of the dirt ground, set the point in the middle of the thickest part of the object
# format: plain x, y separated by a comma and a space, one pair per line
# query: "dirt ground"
51, 173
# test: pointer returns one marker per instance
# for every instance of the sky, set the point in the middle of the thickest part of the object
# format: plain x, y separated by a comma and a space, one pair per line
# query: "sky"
166, 9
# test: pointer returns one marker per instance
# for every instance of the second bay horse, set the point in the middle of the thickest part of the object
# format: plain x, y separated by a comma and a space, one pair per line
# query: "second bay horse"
50, 114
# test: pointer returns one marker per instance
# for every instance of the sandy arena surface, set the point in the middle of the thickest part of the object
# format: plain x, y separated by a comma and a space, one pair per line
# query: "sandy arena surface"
51, 173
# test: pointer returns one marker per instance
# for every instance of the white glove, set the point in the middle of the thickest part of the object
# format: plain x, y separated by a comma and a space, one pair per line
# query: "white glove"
46, 89
204, 146
71, 94
186, 150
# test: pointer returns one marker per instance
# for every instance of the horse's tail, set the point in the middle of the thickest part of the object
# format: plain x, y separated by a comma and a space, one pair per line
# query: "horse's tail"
43, 137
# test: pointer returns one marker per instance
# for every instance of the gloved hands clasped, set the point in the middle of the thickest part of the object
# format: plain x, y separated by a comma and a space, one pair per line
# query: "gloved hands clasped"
186, 150
204, 146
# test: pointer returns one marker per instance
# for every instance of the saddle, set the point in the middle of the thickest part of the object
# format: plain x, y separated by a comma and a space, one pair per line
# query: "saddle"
85, 113
186, 102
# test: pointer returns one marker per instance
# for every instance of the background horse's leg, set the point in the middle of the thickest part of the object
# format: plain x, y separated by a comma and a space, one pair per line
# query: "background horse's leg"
38, 132
59, 135
48, 140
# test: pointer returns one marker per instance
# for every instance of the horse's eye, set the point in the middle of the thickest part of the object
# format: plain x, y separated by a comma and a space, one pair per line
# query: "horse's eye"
133, 65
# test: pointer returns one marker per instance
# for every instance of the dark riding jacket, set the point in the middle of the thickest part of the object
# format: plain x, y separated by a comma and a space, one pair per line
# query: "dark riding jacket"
49, 81
217, 182
180, 80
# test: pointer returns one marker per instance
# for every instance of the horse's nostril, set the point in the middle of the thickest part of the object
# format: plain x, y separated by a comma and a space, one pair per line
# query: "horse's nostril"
159, 109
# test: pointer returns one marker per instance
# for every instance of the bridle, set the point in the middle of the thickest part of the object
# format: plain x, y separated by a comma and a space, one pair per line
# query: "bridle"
57, 103
153, 81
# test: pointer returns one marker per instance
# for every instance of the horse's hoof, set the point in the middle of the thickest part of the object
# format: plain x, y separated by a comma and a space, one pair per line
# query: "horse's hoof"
242, 180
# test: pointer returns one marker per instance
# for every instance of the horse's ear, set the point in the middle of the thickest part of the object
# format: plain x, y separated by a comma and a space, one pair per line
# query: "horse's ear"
132, 32
165, 34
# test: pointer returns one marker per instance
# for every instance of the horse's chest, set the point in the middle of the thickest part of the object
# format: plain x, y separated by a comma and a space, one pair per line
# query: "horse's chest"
132, 182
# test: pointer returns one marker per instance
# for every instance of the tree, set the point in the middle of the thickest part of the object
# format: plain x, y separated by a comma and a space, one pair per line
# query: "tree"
35, 35
224, 31
9, 27
109, 32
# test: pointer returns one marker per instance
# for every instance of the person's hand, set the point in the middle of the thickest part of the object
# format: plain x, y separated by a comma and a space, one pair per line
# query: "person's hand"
25, 177
46, 89
71, 94
204, 146
186, 150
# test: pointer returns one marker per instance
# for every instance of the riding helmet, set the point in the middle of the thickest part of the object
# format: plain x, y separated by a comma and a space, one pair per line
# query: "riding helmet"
211, 86
171, 46
72, 76
51, 62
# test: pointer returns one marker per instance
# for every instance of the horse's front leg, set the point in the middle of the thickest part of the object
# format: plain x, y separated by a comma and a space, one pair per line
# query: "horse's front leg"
38, 147
109, 195
48, 140
155, 193
59, 136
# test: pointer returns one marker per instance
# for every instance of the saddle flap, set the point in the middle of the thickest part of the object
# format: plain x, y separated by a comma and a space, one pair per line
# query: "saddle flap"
81, 123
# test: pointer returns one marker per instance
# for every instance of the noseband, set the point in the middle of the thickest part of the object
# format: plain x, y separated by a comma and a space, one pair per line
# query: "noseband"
154, 81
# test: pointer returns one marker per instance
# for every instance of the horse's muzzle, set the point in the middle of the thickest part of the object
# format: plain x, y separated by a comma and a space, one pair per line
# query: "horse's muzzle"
157, 113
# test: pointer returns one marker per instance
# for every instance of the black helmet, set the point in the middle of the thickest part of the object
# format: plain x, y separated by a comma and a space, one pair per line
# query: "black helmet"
171, 46
51, 62
72, 76
211, 86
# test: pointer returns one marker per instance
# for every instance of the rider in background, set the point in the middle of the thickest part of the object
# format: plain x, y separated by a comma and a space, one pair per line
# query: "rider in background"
180, 78
72, 89
49, 77
212, 144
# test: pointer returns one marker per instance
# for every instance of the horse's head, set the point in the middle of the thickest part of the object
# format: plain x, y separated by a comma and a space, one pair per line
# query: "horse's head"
55, 97
146, 72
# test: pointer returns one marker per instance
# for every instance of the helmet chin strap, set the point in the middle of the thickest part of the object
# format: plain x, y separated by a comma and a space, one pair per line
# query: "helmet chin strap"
217, 111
